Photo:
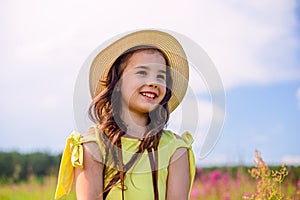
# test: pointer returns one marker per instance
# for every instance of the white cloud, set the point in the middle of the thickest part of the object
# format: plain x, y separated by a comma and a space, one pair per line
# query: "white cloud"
250, 42
291, 160
214, 160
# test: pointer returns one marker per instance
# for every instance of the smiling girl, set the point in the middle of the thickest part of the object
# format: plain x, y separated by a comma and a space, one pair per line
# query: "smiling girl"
135, 83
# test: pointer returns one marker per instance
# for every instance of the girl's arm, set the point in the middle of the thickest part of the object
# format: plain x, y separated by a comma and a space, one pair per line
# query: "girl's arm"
178, 183
88, 181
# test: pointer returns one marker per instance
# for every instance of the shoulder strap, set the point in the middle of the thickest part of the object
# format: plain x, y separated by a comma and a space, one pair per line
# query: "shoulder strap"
153, 164
119, 176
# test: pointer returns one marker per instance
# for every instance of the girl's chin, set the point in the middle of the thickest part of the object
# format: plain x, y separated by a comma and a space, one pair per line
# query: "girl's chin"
147, 109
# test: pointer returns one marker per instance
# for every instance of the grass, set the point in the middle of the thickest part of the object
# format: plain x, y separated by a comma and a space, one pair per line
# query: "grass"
33, 189
222, 183
257, 183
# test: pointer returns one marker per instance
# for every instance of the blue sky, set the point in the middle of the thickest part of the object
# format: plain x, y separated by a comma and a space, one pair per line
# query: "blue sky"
264, 118
254, 45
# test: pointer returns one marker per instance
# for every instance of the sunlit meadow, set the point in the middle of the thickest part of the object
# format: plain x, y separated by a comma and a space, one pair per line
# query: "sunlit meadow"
33, 189
259, 182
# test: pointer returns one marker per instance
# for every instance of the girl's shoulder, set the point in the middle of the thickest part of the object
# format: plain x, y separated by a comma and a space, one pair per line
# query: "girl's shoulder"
170, 142
184, 140
93, 143
91, 134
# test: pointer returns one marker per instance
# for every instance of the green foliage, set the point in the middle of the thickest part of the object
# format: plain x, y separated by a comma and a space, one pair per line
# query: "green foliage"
34, 176
16, 167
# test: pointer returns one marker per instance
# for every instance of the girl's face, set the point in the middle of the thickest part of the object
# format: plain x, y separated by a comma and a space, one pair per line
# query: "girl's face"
143, 82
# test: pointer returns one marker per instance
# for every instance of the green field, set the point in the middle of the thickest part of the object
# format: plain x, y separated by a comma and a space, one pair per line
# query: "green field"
221, 183
35, 188
33, 177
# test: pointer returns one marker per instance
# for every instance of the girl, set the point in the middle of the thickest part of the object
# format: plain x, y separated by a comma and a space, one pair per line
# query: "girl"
135, 83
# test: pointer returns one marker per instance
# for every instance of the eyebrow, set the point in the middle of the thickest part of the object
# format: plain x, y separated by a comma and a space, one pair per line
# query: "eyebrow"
147, 68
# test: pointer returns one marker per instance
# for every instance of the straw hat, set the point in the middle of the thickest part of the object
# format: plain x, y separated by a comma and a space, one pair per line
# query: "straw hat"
165, 42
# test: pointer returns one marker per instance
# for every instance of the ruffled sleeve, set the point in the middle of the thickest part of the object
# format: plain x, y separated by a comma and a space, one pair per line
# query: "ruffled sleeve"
169, 143
188, 139
72, 157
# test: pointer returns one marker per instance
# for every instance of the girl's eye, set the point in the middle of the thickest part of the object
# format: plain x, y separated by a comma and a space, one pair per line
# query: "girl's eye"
161, 77
141, 73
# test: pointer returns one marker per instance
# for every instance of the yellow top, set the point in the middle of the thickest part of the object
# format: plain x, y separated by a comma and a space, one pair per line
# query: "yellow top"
138, 180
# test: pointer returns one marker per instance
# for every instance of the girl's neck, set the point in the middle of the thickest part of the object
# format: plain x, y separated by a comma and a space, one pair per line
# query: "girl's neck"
135, 124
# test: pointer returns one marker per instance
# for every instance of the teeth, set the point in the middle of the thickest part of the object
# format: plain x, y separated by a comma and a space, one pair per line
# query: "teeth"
148, 95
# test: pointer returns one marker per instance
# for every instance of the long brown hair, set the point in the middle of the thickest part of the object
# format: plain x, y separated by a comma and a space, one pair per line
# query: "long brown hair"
104, 111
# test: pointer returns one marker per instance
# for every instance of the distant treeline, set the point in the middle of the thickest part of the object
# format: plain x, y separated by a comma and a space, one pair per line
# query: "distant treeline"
15, 167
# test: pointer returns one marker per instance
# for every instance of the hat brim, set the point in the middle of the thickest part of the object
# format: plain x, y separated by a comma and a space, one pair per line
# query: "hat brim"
165, 42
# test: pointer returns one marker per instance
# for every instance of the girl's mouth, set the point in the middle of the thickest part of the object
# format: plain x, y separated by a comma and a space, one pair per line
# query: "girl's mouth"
151, 95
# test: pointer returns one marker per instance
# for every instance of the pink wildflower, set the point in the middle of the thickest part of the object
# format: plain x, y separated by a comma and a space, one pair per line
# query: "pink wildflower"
226, 196
247, 196
215, 175
199, 170
195, 193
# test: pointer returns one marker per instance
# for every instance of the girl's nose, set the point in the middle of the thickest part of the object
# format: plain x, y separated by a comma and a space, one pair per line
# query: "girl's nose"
152, 81
152, 84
